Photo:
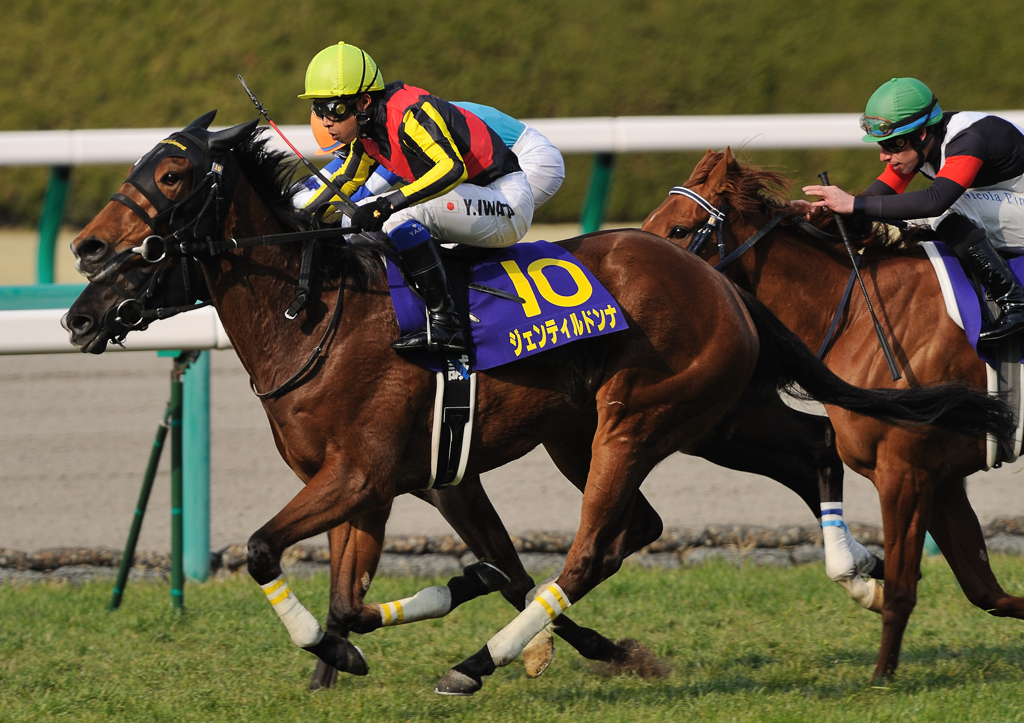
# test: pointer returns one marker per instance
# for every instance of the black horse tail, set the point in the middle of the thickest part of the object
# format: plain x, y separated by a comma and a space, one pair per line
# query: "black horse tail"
786, 364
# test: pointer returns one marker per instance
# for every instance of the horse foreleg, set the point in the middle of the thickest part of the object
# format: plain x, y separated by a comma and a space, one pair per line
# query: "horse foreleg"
956, 530
905, 500
355, 552
325, 502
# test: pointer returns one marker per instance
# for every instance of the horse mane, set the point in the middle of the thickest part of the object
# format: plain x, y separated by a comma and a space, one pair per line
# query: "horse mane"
271, 174
752, 190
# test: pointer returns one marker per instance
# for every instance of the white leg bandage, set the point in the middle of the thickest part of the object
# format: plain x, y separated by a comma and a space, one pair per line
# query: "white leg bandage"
844, 556
846, 560
302, 626
510, 641
433, 602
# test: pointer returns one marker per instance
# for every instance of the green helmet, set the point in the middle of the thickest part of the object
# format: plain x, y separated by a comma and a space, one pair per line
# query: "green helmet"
898, 107
341, 70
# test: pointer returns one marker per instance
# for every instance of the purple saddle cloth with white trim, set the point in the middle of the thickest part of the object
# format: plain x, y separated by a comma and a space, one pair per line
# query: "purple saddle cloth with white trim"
965, 293
564, 302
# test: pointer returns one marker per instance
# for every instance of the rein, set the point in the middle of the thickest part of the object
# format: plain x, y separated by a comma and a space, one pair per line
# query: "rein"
716, 220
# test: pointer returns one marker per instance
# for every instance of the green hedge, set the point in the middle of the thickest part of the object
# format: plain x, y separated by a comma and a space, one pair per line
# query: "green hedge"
79, 64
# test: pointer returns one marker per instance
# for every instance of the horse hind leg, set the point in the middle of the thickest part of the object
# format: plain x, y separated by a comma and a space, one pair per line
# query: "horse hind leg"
645, 527
762, 435
596, 554
905, 497
470, 513
956, 530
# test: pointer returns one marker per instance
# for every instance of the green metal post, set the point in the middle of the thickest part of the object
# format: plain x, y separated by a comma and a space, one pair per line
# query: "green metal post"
177, 568
597, 192
49, 224
140, 510
196, 472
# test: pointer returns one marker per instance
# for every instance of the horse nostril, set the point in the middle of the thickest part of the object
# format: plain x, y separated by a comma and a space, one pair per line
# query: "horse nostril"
91, 249
77, 324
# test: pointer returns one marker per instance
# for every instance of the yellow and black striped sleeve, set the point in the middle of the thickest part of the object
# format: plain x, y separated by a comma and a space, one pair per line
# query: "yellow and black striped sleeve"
352, 174
425, 135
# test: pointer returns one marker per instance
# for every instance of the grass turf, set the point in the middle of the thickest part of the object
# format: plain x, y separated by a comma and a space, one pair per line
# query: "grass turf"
750, 644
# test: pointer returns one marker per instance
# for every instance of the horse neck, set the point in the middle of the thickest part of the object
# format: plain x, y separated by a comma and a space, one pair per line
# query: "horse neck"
251, 288
800, 280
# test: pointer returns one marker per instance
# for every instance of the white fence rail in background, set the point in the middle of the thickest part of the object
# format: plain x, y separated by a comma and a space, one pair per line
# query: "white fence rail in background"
38, 331
624, 134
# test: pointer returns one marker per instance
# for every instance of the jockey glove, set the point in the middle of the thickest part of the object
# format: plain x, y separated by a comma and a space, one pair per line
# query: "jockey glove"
371, 216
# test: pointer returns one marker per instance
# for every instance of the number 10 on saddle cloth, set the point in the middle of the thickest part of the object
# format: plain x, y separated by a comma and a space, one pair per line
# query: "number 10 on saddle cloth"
561, 303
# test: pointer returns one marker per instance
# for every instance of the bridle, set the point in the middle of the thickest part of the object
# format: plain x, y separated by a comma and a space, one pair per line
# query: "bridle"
716, 219
715, 222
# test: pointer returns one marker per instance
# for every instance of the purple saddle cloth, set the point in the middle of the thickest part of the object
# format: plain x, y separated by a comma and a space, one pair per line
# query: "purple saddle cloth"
968, 302
563, 303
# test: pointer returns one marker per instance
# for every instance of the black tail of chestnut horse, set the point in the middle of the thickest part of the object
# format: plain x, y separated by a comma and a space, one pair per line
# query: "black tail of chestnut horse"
785, 362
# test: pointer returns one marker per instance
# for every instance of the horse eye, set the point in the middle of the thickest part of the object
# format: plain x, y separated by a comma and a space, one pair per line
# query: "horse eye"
679, 232
170, 178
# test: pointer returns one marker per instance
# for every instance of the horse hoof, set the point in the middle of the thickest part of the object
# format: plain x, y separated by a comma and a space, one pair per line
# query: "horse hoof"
489, 576
456, 683
878, 599
325, 676
539, 652
340, 653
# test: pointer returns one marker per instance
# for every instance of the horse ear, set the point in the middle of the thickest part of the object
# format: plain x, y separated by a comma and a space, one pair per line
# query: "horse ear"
203, 121
228, 138
718, 174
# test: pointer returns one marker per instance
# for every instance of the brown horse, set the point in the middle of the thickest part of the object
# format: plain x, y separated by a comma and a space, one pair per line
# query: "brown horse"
919, 474
355, 423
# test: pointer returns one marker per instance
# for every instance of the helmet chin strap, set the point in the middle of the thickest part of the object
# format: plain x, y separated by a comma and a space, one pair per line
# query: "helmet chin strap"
919, 145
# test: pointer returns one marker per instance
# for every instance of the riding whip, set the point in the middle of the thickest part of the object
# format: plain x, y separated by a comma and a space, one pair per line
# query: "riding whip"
890, 359
345, 202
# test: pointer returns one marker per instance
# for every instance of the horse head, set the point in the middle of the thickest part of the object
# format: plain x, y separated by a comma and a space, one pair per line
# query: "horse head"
174, 194
693, 210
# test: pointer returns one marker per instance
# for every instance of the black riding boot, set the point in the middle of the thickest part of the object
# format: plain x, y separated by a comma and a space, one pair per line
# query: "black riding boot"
443, 332
973, 248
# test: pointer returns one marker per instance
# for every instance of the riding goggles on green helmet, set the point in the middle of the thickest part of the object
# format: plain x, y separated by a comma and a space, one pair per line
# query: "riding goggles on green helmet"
884, 128
337, 109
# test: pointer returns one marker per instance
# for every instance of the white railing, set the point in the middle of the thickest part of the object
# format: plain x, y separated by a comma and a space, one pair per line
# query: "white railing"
38, 331
624, 134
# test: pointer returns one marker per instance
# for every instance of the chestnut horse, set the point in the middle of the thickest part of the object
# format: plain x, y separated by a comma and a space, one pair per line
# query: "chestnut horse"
355, 422
919, 474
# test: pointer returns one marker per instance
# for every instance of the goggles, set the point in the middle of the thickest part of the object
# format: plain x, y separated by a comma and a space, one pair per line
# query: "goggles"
883, 127
337, 109
894, 145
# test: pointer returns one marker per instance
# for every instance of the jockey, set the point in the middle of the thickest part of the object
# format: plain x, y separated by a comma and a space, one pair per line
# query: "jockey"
462, 182
977, 198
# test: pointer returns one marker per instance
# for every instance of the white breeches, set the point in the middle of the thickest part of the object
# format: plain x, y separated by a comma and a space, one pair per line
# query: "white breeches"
541, 162
492, 216
999, 210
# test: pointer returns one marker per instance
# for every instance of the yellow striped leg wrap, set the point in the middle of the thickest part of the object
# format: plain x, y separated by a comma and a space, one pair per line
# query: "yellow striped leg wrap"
433, 602
510, 641
302, 626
